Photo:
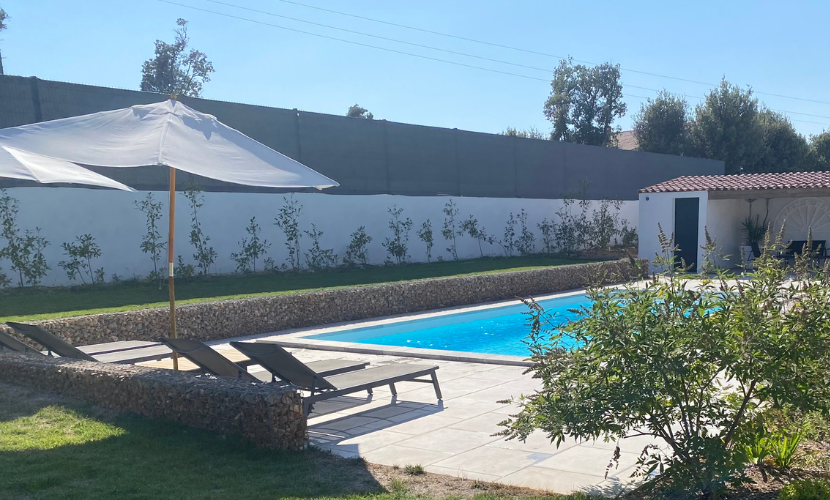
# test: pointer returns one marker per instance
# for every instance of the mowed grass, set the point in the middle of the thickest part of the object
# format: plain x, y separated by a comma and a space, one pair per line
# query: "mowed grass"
46, 303
53, 448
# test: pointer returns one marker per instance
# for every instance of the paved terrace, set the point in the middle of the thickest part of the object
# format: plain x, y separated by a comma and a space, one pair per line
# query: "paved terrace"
456, 436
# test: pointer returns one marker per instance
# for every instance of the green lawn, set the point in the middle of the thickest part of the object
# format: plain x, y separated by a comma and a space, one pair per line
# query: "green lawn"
45, 303
53, 448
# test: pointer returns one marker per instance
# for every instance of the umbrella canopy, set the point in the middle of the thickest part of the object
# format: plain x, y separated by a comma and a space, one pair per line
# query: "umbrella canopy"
19, 164
166, 133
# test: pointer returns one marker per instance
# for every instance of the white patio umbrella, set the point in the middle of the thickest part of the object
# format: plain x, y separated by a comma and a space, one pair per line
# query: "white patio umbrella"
27, 166
166, 134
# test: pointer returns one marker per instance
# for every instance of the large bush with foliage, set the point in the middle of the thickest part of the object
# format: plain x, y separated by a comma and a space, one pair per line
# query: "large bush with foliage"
690, 364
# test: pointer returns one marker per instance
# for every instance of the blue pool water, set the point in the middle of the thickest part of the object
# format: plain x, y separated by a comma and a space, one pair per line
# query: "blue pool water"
498, 330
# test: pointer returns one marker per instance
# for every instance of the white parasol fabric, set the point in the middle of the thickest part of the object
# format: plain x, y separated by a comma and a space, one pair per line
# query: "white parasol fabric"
166, 133
19, 164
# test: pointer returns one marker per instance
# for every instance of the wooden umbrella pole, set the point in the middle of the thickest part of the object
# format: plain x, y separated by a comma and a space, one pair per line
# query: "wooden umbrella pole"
170, 251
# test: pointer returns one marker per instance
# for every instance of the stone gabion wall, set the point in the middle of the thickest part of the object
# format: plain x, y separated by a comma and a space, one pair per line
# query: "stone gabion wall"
268, 415
233, 318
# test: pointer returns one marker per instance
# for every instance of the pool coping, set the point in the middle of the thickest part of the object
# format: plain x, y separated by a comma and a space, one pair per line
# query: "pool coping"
299, 338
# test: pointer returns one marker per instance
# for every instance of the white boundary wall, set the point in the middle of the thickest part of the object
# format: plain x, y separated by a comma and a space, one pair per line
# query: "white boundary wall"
118, 227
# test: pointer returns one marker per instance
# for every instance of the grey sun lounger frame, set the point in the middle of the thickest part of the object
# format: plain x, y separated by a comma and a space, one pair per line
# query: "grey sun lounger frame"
210, 361
11, 343
282, 364
52, 343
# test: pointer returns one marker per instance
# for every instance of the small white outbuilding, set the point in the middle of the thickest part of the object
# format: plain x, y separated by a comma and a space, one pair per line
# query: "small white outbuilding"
686, 207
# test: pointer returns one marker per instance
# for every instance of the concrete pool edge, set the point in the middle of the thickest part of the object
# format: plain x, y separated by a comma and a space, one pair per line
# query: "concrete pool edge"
299, 338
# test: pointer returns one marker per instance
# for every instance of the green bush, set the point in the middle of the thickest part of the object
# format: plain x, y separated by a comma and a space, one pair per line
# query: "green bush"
807, 489
690, 366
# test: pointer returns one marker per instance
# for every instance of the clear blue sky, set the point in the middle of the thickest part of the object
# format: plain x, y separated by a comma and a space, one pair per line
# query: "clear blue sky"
778, 48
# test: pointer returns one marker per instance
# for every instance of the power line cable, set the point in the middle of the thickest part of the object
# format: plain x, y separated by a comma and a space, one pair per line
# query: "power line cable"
386, 49
528, 51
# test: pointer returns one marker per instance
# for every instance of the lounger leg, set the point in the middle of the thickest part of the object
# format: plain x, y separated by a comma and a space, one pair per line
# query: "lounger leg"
435, 386
392, 388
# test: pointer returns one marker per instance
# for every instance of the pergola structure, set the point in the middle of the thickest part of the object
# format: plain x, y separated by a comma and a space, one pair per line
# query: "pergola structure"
689, 206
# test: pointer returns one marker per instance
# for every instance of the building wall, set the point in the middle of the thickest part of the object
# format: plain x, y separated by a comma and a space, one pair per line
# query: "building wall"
112, 218
658, 208
723, 218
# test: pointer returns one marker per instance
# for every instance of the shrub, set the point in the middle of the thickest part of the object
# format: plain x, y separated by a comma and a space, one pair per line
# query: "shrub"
689, 366
425, 235
184, 271
806, 489
24, 252
449, 230
471, 227
252, 248
317, 257
784, 446
356, 251
547, 228
288, 220
604, 226
151, 242
4, 279
205, 255
396, 246
414, 470
526, 243
79, 262
508, 243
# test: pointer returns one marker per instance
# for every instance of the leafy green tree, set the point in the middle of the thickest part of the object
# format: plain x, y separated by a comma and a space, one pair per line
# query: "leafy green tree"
151, 242
528, 133
3, 25
357, 111
689, 366
174, 69
583, 103
727, 127
820, 148
662, 125
785, 150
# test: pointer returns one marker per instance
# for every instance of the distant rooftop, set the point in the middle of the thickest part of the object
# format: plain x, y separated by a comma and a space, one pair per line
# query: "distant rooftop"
627, 140
743, 182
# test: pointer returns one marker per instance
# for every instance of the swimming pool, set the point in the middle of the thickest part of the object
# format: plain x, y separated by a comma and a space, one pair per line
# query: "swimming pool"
497, 330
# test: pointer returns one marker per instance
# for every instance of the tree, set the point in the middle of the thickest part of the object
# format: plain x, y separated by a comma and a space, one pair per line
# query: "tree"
584, 102
3, 25
662, 125
785, 150
727, 127
820, 149
691, 366
357, 111
174, 69
529, 133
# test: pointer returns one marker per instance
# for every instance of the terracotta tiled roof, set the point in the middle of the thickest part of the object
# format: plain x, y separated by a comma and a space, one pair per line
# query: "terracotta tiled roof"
741, 182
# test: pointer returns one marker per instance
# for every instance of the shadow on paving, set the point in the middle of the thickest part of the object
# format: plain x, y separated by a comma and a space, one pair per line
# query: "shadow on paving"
124, 456
330, 433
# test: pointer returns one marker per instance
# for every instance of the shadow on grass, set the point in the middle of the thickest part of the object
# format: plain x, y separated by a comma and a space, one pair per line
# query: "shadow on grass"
62, 450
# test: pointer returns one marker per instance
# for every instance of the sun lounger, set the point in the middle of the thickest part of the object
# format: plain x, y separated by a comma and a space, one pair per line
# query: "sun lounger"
210, 361
11, 343
52, 343
282, 364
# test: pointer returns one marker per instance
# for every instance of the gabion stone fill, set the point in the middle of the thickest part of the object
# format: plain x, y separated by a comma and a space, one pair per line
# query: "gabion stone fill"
269, 415
233, 318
